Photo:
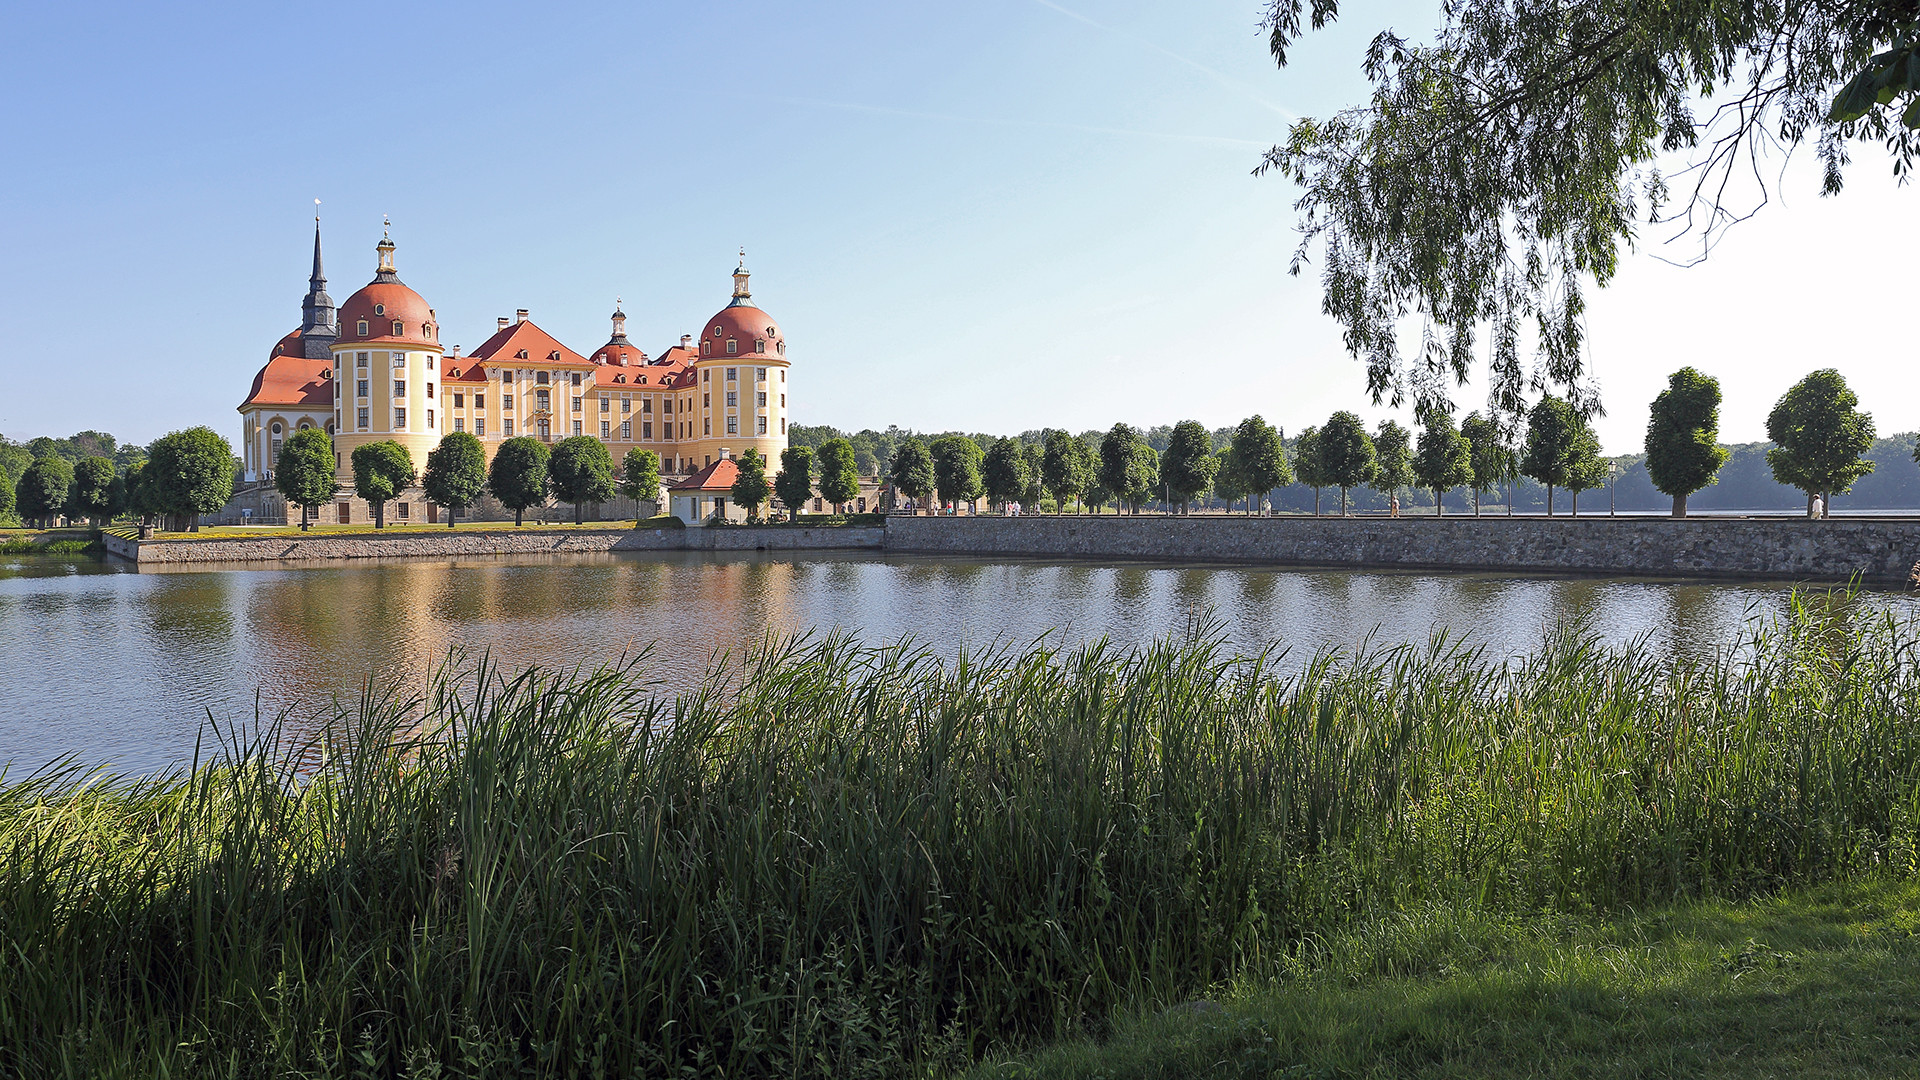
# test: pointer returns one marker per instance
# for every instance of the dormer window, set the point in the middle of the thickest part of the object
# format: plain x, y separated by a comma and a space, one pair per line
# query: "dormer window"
396, 328
554, 355
379, 309
716, 331
521, 355
619, 378
703, 345
760, 345
362, 328
732, 346
453, 373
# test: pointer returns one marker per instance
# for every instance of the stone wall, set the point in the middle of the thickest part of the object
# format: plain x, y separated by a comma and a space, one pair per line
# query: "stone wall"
296, 547
1877, 550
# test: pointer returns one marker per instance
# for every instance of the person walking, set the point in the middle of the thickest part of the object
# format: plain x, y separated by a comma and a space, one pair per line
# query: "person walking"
1393, 505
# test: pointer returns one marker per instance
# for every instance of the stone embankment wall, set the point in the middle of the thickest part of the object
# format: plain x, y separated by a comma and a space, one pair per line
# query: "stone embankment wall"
1837, 549
508, 541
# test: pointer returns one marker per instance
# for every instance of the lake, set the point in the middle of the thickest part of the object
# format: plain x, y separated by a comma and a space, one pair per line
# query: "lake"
114, 665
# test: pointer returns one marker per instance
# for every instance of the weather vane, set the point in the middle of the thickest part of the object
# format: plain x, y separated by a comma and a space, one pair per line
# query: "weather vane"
316, 211
386, 225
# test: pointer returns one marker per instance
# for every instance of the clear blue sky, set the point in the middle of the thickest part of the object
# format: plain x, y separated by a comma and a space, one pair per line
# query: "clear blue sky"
990, 216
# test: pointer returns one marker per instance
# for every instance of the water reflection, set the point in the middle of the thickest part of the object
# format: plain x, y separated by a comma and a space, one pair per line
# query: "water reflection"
117, 666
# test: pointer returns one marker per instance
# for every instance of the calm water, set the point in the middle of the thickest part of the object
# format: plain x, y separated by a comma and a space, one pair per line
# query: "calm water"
117, 666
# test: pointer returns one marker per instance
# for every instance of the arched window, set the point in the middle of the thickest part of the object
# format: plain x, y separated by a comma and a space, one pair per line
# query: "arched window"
362, 328
760, 345
703, 348
396, 328
732, 346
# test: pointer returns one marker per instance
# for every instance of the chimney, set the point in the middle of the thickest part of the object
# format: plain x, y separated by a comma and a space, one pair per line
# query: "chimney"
456, 350
519, 315
686, 341
725, 453
501, 323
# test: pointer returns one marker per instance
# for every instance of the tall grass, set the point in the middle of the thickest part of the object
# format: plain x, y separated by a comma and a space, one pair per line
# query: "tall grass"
841, 861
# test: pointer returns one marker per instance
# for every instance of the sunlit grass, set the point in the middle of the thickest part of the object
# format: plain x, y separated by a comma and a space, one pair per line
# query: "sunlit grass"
838, 861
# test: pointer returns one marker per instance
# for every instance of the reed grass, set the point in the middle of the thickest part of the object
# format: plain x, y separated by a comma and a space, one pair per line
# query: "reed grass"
838, 860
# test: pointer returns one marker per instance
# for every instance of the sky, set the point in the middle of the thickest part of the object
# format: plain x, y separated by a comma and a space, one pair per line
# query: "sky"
993, 216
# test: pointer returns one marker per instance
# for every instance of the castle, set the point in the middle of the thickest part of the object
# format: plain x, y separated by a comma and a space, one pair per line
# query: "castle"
373, 369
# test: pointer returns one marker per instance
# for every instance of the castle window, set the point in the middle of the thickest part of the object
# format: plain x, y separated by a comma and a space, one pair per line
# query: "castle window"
396, 328
761, 398
733, 374
540, 378
399, 419
459, 423
706, 375
716, 331
429, 419
783, 374
509, 427
576, 375
646, 405
759, 344
606, 429
506, 403
708, 424
459, 399
399, 388
379, 309
361, 386
733, 399
429, 391
606, 404
362, 418
626, 431
781, 348
703, 348
783, 427
733, 425
759, 374
362, 328
521, 355
452, 374
576, 427
760, 423
400, 510
430, 362
479, 425
732, 346
626, 404
479, 400
576, 403
646, 430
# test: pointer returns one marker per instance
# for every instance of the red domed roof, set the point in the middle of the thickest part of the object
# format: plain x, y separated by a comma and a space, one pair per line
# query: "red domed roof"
290, 379
742, 323
381, 305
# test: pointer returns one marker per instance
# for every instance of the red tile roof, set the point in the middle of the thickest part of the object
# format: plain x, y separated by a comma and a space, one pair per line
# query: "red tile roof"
290, 379
718, 476
504, 348
396, 303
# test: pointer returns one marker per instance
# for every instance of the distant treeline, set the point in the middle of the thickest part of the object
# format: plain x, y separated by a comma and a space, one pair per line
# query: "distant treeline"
1745, 481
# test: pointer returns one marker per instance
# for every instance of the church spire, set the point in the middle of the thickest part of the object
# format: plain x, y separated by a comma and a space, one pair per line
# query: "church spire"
318, 321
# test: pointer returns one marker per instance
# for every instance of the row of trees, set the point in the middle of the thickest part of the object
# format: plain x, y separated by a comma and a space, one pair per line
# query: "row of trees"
1819, 436
178, 477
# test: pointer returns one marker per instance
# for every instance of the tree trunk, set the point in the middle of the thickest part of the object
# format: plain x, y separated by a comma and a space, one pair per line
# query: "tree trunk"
303, 519
380, 515
1437, 511
520, 515
577, 508
1576, 502
1826, 504
1549, 500
1343, 500
1476, 502
1316, 502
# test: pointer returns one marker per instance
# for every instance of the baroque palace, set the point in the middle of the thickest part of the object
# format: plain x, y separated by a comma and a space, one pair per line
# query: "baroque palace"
374, 369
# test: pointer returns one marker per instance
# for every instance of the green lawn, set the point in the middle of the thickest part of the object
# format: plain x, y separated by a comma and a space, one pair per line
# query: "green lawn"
334, 529
1824, 983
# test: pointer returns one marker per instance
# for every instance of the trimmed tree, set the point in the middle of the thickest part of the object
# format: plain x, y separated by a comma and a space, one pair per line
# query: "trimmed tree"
304, 474
41, 494
1346, 455
1589, 469
793, 484
581, 471
1553, 444
750, 488
1188, 467
1306, 464
1001, 472
1445, 460
911, 471
1819, 435
956, 468
518, 475
456, 472
97, 492
1144, 474
1032, 461
1119, 466
839, 473
640, 478
1258, 456
380, 471
1065, 468
1683, 437
1393, 460
1493, 461
191, 473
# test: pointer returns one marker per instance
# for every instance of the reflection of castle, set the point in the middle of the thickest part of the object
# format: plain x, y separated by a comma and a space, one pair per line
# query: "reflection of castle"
374, 370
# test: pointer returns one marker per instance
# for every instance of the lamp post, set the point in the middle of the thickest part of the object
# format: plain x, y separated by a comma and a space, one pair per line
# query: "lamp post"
1613, 468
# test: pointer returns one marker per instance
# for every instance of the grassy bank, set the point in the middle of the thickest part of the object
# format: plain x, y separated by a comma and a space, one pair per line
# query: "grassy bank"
843, 862
49, 542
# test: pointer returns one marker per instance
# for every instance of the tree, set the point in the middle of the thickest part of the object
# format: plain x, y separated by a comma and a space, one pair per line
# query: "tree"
304, 473
456, 472
41, 495
1066, 468
1553, 444
1493, 461
581, 471
1683, 437
1002, 472
1589, 469
97, 492
1445, 460
1346, 454
839, 473
1120, 469
794, 482
1032, 459
1393, 461
640, 478
750, 488
1144, 473
912, 471
1307, 467
1228, 484
381, 471
518, 475
956, 468
143, 496
1259, 458
1820, 435
1187, 469
191, 473
1497, 170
